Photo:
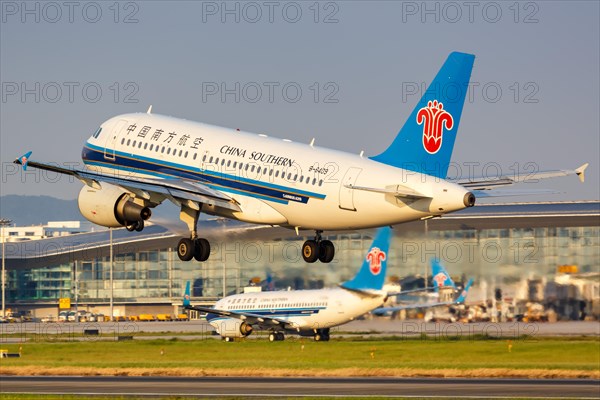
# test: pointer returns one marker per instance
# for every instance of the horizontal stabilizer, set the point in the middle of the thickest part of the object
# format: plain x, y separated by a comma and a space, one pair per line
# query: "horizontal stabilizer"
489, 183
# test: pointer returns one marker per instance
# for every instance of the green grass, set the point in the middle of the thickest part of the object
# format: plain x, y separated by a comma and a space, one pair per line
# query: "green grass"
302, 354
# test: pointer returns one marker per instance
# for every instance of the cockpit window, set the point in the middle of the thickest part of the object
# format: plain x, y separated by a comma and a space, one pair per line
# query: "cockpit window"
97, 133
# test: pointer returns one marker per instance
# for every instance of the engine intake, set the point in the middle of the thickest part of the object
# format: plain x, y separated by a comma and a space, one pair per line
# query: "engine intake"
110, 206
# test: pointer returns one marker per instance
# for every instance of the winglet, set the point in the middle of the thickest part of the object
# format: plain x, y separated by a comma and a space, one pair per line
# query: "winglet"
186, 296
23, 160
581, 172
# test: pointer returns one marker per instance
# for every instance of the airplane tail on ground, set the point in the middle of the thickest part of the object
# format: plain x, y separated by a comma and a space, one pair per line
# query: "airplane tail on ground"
425, 142
371, 275
187, 295
441, 277
461, 299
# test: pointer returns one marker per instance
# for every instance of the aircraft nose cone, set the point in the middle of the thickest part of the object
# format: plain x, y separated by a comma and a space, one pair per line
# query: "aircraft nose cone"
469, 199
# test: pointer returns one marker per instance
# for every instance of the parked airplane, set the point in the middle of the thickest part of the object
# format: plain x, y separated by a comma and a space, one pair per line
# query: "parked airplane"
136, 161
441, 281
303, 312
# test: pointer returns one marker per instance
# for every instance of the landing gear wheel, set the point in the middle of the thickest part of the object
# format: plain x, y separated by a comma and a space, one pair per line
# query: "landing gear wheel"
228, 339
272, 337
326, 251
139, 226
310, 251
318, 337
131, 227
201, 249
185, 249
280, 336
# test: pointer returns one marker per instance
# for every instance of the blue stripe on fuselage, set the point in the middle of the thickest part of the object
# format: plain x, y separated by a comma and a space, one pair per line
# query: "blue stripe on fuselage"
277, 313
94, 155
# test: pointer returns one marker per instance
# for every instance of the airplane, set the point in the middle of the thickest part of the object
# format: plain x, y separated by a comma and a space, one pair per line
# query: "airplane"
441, 282
303, 312
134, 162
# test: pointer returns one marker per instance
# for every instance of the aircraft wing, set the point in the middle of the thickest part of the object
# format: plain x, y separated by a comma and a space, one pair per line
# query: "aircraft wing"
252, 319
179, 191
459, 300
478, 185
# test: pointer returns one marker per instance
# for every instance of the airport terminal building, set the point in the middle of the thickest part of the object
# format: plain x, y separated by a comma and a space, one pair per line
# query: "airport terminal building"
543, 252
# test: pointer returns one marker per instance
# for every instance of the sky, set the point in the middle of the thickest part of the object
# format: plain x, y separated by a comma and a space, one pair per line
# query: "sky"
346, 73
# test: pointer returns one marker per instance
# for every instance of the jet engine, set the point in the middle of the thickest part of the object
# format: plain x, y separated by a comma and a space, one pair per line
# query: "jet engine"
232, 328
111, 206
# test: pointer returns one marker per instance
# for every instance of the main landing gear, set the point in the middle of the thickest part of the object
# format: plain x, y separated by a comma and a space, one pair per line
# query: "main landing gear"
318, 249
322, 335
194, 247
276, 336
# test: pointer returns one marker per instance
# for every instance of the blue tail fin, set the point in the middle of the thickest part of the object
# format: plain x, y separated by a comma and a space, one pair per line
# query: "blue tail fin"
440, 276
425, 142
461, 299
371, 275
187, 295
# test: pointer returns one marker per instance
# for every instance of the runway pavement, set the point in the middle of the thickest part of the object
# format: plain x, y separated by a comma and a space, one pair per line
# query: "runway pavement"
13, 333
359, 387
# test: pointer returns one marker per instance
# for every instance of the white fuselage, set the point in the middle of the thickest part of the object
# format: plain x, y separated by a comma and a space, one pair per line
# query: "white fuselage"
305, 310
274, 181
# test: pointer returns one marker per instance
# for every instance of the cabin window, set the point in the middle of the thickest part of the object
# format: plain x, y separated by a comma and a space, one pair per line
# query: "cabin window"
277, 174
133, 144
222, 162
295, 177
210, 159
122, 140
228, 163
195, 155
168, 150
264, 170
204, 158
180, 153
163, 149
307, 179
314, 181
217, 160
270, 172
301, 178
140, 145
145, 146
321, 182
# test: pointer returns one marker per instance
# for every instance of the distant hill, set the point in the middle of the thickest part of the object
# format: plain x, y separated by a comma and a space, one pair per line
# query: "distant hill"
36, 210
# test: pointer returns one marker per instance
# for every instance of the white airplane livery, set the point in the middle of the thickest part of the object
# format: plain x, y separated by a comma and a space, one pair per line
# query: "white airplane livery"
134, 162
304, 312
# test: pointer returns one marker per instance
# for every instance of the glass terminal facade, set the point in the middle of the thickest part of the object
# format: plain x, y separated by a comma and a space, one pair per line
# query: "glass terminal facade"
492, 256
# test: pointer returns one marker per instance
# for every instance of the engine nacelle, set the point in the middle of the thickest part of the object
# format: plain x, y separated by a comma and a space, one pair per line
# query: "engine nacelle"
232, 327
110, 206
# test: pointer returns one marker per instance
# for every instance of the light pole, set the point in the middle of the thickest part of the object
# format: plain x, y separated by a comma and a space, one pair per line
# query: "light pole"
110, 231
3, 223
